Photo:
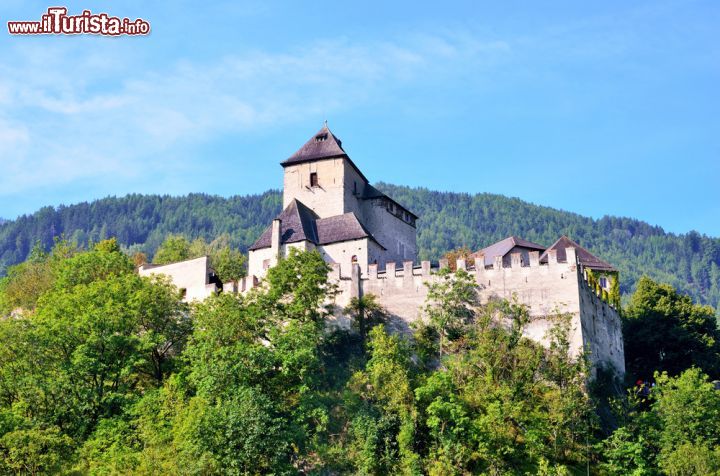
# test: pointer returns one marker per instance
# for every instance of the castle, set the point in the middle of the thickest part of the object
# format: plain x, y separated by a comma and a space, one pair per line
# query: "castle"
369, 240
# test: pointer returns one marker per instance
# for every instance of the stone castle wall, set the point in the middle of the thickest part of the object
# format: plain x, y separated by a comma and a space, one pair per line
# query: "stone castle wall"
547, 289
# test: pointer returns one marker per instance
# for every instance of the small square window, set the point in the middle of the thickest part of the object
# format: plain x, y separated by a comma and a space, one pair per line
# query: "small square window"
313, 179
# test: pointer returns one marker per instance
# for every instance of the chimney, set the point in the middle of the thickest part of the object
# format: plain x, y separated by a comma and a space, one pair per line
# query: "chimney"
571, 255
275, 239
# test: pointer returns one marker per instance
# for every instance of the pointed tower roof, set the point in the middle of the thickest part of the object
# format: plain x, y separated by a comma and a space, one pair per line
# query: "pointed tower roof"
503, 247
323, 145
584, 257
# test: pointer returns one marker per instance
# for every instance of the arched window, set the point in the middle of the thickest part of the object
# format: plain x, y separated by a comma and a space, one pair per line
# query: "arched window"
354, 260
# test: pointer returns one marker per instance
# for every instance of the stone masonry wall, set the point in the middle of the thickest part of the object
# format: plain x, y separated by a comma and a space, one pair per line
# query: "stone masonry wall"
547, 289
334, 194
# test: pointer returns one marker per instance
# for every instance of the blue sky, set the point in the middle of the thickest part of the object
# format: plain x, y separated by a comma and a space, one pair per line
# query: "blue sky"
604, 108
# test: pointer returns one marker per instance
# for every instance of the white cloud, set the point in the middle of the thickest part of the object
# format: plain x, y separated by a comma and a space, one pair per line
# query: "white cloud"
69, 115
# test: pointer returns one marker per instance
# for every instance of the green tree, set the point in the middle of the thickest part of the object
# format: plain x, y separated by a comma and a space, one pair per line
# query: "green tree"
366, 313
99, 336
245, 434
664, 331
229, 264
34, 451
265, 348
501, 403
175, 248
383, 434
674, 431
450, 305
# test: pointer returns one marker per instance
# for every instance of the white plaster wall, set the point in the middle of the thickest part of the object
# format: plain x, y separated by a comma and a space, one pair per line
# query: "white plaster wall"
544, 289
256, 257
376, 255
255, 261
340, 185
547, 290
191, 275
342, 253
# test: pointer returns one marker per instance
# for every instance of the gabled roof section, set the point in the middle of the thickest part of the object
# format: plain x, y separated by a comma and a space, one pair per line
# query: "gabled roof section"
297, 224
339, 228
323, 145
503, 247
584, 257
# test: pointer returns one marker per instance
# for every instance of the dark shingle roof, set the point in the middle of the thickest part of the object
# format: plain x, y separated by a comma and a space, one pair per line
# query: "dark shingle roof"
299, 223
323, 145
340, 228
503, 247
584, 257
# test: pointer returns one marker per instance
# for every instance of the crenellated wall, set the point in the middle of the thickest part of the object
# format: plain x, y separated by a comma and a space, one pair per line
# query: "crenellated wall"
547, 289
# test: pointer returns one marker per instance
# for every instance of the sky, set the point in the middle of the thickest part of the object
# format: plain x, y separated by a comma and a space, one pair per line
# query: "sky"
599, 108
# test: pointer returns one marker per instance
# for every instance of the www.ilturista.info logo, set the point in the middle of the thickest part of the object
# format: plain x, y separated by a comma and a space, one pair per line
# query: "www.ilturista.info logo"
58, 22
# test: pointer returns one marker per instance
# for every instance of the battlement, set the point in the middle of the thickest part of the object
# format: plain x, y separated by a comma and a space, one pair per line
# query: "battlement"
408, 270
547, 289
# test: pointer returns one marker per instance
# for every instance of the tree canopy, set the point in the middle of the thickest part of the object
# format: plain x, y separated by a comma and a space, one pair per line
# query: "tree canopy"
665, 331
106, 372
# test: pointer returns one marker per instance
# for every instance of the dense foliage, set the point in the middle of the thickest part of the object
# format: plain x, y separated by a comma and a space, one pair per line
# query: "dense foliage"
106, 372
665, 331
689, 262
670, 430
144, 221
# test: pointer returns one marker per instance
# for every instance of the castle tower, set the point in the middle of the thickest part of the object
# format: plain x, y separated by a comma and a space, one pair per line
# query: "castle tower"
329, 205
322, 176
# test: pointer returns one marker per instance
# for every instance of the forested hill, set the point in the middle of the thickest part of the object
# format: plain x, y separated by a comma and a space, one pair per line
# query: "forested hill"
690, 262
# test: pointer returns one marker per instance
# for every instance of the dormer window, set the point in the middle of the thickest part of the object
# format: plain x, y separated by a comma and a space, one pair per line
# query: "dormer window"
313, 179
321, 138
